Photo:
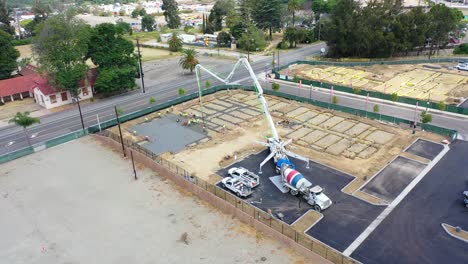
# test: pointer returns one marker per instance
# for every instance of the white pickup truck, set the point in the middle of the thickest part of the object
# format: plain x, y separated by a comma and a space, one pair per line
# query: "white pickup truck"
247, 177
236, 186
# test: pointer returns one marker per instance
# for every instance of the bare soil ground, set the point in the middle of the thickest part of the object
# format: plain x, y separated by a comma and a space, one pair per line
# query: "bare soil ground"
352, 144
98, 213
149, 54
435, 82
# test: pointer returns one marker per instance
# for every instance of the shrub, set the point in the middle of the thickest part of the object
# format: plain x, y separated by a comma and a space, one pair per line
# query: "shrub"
282, 45
394, 97
188, 29
425, 117
335, 100
20, 42
462, 49
175, 43
376, 109
275, 86
152, 100
207, 84
357, 90
441, 106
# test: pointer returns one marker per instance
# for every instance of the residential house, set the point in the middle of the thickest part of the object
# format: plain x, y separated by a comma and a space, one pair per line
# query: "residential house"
49, 97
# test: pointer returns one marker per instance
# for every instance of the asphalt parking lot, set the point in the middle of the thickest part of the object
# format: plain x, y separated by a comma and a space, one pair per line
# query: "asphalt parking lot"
412, 232
342, 222
394, 178
425, 149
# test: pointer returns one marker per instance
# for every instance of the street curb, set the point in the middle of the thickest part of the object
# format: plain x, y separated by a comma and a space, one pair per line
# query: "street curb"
444, 226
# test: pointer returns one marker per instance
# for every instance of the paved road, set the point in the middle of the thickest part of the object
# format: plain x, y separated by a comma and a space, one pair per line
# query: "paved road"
67, 121
412, 232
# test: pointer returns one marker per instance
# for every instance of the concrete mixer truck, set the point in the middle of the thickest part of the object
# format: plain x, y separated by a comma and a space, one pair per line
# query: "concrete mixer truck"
294, 182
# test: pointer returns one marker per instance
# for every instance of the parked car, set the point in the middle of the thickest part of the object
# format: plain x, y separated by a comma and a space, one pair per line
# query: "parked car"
462, 66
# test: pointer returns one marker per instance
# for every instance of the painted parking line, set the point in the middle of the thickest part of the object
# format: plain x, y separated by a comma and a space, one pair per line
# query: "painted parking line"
394, 204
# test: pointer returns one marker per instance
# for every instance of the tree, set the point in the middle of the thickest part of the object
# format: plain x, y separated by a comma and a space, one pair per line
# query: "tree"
147, 23
275, 86
24, 120
188, 61
267, 15
41, 13
8, 56
425, 117
442, 20
171, 13
61, 47
5, 18
290, 35
218, 12
115, 58
293, 6
223, 39
181, 91
252, 40
138, 12
175, 43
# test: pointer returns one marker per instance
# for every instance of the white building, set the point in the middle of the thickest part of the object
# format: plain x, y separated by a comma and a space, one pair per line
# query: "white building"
49, 97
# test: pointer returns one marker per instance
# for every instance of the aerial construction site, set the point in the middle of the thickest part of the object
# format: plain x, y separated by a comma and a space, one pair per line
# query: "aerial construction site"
327, 175
333, 186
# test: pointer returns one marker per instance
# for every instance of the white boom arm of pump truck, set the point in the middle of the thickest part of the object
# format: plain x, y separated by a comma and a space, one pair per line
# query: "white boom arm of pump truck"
274, 143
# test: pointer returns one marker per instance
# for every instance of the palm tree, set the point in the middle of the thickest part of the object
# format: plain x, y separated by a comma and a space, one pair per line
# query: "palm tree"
24, 120
188, 61
294, 5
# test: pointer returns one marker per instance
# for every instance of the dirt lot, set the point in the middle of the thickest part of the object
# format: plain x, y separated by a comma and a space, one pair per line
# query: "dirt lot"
55, 213
437, 82
149, 54
349, 143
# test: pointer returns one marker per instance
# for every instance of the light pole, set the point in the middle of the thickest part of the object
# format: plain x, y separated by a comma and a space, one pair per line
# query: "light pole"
140, 66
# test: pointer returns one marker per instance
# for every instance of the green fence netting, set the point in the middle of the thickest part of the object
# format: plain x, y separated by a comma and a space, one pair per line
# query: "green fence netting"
109, 123
16, 154
374, 94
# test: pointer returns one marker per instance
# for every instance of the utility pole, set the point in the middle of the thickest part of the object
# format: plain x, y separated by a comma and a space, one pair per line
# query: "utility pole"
81, 114
141, 67
120, 131
278, 61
